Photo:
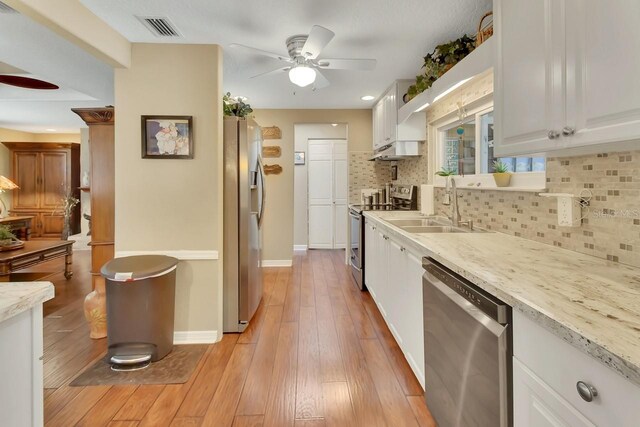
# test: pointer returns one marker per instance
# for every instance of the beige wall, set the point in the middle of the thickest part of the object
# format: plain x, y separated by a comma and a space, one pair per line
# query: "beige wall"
279, 211
166, 204
10, 135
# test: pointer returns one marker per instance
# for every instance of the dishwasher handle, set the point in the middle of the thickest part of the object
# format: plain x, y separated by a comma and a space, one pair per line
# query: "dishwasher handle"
496, 309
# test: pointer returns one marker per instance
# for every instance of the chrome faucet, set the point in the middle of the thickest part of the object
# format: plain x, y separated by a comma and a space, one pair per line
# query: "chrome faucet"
456, 218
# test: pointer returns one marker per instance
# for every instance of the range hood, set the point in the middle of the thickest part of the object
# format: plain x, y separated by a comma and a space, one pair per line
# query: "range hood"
398, 150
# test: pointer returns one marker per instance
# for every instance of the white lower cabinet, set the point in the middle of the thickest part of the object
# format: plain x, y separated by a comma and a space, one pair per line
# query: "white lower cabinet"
21, 369
393, 276
546, 371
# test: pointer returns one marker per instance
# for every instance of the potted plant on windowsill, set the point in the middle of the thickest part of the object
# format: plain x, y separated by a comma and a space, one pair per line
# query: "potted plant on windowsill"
501, 174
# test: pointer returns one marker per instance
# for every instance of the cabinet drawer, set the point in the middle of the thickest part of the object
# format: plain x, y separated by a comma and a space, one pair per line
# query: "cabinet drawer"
561, 366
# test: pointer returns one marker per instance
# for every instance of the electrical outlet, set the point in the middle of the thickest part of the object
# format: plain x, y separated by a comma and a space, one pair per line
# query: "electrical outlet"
569, 212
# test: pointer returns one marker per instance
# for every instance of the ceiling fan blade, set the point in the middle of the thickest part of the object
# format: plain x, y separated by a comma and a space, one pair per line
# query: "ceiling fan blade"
321, 81
253, 50
318, 38
27, 82
276, 71
347, 64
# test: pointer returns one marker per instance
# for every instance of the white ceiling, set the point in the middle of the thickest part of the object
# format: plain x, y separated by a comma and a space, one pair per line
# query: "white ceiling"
28, 49
396, 33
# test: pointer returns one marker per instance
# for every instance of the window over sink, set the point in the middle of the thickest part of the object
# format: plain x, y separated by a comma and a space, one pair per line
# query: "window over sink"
464, 146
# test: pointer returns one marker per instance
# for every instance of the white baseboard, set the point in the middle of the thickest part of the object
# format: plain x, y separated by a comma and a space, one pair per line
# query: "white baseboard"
181, 255
299, 247
277, 263
195, 337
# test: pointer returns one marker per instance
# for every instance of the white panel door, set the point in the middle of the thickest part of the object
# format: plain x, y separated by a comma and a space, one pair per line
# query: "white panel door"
340, 193
328, 194
320, 194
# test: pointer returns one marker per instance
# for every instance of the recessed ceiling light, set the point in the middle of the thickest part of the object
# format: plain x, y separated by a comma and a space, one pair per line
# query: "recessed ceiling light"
368, 98
50, 130
334, 124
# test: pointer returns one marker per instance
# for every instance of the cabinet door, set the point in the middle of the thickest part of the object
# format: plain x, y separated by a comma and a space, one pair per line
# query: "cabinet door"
370, 248
412, 316
604, 99
382, 271
54, 179
51, 225
394, 295
536, 404
391, 116
26, 173
529, 90
378, 125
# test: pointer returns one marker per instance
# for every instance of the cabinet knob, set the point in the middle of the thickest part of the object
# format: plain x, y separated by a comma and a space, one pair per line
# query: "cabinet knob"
586, 391
568, 131
553, 134
402, 249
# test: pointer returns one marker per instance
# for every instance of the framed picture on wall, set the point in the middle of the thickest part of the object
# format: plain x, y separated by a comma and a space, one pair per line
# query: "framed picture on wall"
298, 158
167, 137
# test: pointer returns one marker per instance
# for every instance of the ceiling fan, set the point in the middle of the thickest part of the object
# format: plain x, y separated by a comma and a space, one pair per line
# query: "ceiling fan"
303, 63
26, 82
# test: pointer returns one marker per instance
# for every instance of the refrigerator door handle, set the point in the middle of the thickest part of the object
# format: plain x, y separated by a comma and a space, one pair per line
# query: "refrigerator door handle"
263, 190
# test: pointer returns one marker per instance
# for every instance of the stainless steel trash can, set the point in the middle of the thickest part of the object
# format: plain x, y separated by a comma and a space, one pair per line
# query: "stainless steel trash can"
140, 309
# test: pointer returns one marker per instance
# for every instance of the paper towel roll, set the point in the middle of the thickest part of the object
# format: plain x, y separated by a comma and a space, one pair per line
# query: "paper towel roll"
427, 202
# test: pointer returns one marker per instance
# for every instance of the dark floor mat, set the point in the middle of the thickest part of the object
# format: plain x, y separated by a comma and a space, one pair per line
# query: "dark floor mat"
175, 368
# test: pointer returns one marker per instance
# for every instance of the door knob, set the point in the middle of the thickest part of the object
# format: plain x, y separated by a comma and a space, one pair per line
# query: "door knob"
568, 131
553, 134
586, 391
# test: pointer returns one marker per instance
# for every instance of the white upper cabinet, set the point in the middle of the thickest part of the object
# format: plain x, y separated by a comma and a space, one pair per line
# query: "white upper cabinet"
386, 129
566, 77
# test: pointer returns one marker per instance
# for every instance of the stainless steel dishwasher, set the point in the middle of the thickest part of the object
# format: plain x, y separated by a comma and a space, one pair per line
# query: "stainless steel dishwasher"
468, 350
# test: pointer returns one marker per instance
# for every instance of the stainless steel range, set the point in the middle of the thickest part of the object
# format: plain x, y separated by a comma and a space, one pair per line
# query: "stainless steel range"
400, 197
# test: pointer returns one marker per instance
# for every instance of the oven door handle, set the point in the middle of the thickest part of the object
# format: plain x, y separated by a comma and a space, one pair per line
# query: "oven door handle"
355, 215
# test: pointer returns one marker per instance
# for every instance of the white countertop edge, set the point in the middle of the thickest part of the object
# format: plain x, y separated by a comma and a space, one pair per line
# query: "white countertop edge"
570, 333
17, 297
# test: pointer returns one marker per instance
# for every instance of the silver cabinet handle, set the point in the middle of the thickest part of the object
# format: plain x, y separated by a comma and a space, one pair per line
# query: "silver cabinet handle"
586, 391
385, 237
553, 134
568, 131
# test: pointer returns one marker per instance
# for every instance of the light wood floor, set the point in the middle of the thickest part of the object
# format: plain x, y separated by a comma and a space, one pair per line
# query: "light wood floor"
317, 353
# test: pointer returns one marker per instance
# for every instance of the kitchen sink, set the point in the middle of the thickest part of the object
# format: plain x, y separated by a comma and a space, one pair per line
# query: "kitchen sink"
421, 222
435, 229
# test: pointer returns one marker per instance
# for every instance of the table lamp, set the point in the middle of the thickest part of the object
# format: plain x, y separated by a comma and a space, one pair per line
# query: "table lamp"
5, 184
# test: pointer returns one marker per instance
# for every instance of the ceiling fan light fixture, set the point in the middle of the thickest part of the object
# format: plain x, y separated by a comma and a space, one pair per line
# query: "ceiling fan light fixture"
302, 75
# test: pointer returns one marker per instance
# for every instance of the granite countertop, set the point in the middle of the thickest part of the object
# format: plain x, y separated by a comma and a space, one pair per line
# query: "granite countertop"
589, 302
16, 297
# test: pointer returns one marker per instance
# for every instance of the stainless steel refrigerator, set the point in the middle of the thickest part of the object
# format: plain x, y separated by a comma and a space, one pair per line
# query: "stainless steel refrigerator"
244, 197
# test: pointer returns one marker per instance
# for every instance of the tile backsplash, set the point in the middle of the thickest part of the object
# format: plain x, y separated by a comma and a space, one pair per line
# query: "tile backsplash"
366, 174
611, 225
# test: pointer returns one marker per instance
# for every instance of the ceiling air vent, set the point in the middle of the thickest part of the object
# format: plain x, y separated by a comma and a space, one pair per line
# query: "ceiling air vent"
4, 8
159, 26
